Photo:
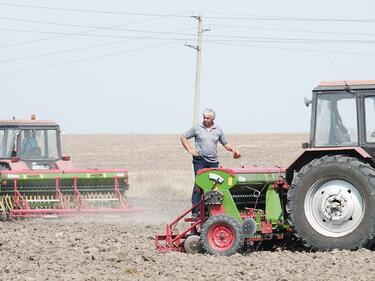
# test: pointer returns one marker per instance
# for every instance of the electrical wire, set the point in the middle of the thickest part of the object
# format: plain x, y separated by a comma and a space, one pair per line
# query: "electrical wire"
231, 42
237, 16
292, 41
211, 38
287, 39
89, 58
294, 30
80, 49
90, 11
93, 35
219, 39
231, 16
83, 32
293, 49
79, 25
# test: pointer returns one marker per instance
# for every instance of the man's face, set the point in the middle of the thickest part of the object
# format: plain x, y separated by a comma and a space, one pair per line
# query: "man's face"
208, 120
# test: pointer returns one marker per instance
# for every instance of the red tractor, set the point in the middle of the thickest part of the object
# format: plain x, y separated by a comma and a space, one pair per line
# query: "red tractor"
331, 202
31, 145
36, 180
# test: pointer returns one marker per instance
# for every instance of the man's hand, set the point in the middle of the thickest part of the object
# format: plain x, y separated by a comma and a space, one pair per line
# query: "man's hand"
236, 154
193, 152
188, 147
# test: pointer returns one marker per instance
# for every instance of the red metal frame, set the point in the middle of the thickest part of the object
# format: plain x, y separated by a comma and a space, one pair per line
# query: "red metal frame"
307, 155
217, 210
66, 171
266, 227
23, 210
173, 241
246, 170
229, 171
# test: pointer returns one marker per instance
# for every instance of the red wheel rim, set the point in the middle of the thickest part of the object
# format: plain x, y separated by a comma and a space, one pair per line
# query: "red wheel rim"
221, 237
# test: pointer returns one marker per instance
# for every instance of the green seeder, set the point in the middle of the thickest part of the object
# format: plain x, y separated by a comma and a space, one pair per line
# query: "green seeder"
238, 207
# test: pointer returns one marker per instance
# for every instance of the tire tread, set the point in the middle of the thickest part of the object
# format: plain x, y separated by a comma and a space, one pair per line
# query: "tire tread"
360, 167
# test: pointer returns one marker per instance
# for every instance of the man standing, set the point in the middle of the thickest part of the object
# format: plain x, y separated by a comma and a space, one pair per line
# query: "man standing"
206, 136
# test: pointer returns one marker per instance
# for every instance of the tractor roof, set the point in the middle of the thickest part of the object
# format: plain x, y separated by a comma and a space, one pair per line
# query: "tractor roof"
342, 85
25, 122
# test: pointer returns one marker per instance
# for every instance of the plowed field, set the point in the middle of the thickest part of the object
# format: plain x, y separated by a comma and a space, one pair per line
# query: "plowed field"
122, 248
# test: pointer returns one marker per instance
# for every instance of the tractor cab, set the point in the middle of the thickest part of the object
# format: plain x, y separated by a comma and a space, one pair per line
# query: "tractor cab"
343, 115
34, 143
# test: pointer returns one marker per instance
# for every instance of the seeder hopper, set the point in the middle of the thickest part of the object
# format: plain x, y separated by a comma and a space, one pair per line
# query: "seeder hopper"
38, 181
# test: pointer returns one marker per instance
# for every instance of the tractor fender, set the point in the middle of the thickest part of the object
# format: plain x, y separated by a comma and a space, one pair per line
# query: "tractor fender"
14, 165
64, 165
310, 154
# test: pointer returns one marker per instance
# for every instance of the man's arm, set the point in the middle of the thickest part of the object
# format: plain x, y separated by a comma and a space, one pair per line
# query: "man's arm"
229, 147
223, 140
187, 146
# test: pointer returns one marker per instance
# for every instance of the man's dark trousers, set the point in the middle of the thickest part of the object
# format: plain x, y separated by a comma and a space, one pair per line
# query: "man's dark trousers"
199, 163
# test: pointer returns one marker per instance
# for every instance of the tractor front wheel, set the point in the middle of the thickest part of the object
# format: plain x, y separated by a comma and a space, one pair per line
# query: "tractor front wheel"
222, 236
331, 203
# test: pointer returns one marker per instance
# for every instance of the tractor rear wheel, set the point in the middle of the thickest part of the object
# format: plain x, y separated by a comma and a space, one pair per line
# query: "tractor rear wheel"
222, 235
331, 203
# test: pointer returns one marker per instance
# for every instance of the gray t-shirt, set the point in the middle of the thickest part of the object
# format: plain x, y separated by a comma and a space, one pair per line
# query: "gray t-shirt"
206, 140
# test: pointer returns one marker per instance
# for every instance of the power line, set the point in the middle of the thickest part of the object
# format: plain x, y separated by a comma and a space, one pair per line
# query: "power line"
78, 25
292, 49
93, 35
88, 59
292, 19
335, 68
83, 32
210, 38
90, 11
148, 31
170, 43
295, 30
232, 16
289, 39
236, 16
79, 49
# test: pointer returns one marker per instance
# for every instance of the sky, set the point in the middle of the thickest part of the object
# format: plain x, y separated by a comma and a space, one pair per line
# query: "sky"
119, 66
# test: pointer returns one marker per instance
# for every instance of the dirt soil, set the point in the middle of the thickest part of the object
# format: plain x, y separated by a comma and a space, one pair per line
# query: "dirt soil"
122, 247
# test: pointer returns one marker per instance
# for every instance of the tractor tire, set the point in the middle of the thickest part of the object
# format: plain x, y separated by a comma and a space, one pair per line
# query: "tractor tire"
331, 203
222, 236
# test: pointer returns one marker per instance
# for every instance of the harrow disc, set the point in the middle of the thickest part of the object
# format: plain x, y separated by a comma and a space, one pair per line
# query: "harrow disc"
192, 244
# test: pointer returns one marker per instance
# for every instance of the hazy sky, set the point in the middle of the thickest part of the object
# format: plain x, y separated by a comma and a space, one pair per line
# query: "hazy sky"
121, 66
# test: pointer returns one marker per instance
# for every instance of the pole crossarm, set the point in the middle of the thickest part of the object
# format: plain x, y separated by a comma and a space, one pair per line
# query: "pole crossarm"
195, 47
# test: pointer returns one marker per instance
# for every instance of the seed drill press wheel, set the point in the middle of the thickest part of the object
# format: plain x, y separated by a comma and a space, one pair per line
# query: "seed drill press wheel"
331, 203
222, 236
192, 244
3, 216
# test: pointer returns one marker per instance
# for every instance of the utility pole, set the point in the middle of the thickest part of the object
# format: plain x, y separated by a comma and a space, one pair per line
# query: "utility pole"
198, 48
